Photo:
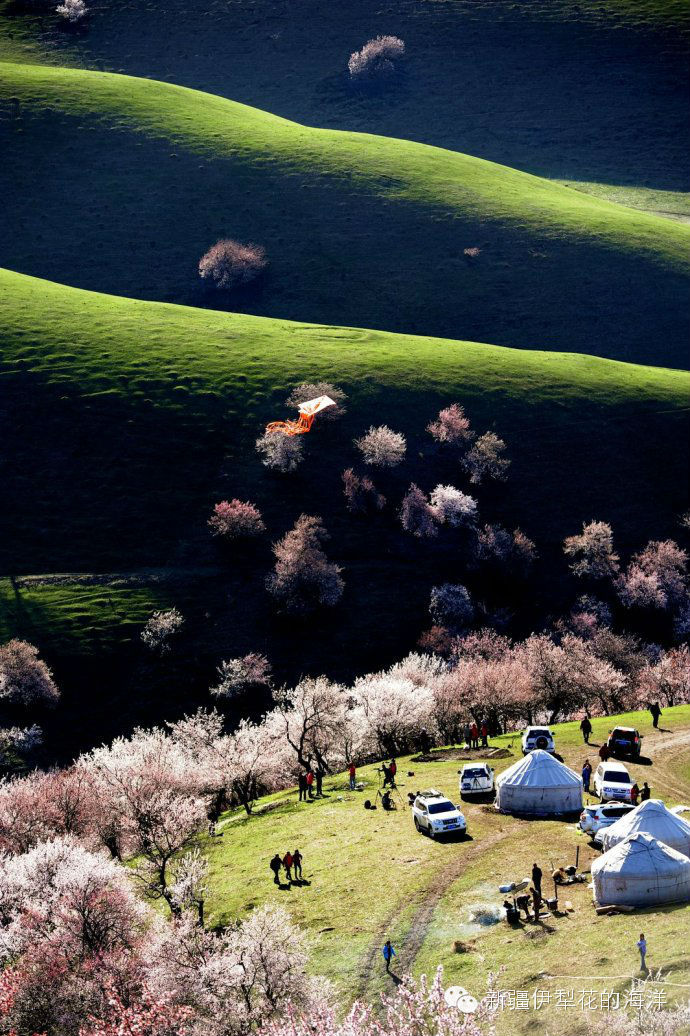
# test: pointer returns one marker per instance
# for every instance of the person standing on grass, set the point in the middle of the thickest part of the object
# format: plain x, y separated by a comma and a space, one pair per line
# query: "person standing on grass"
352, 770
604, 753
388, 954
586, 728
485, 735
297, 864
275, 865
310, 782
474, 736
642, 947
536, 900
634, 794
319, 782
656, 712
586, 775
536, 877
302, 784
287, 864
645, 793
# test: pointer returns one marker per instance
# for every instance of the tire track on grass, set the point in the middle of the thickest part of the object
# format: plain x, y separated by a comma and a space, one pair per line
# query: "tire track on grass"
419, 926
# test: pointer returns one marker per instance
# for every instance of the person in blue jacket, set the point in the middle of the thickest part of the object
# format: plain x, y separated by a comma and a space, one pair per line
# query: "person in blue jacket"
388, 954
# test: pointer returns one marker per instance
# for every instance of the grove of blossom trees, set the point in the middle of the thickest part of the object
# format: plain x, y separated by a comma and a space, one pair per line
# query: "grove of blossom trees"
654, 580
78, 931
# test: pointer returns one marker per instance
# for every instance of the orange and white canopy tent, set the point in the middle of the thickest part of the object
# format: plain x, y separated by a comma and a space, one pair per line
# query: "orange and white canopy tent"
307, 412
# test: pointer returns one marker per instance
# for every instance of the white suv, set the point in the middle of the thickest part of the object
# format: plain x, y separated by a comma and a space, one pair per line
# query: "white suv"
537, 737
595, 819
612, 781
435, 815
476, 779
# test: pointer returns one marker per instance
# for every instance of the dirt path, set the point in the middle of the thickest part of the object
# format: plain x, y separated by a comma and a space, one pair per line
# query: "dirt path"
429, 898
668, 745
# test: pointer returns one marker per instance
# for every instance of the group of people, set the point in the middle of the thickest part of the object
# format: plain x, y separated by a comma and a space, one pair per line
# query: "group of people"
531, 901
291, 863
472, 733
306, 783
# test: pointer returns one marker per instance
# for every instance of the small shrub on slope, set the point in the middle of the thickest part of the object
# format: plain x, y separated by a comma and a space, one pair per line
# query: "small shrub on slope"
280, 452
230, 264
234, 519
382, 447
304, 578
376, 58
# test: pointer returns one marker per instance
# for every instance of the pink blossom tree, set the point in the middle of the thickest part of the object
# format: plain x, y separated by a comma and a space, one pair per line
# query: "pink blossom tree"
283, 453
656, 577
304, 578
235, 519
360, 493
238, 675
498, 546
311, 718
161, 629
451, 426
417, 516
415, 1009
452, 507
237, 979
230, 264
450, 605
376, 58
310, 390
382, 447
667, 681
394, 709
486, 459
24, 678
568, 676
592, 552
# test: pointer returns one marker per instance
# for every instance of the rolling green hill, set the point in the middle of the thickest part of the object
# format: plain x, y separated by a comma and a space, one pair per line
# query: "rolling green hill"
360, 230
124, 421
565, 90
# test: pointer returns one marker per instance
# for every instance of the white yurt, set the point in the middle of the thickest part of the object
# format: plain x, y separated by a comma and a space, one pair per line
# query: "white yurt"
650, 818
640, 871
539, 785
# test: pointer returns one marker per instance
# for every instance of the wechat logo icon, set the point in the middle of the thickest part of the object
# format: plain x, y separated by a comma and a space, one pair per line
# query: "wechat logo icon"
458, 997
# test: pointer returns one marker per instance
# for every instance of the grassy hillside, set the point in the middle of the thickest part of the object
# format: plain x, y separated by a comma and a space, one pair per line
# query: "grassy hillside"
566, 90
360, 230
123, 422
425, 890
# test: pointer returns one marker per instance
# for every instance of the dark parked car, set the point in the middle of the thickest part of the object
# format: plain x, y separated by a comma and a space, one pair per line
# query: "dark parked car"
625, 741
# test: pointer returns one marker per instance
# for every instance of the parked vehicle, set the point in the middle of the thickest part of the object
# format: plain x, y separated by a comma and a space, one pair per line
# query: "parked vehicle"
476, 779
537, 737
612, 781
436, 815
595, 819
625, 741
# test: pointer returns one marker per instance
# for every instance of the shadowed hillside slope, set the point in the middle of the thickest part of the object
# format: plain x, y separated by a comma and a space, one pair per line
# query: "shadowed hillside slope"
567, 90
359, 230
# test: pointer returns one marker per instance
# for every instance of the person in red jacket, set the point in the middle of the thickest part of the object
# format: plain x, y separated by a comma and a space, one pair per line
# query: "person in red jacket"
485, 736
352, 770
474, 736
287, 864
389, 773
310, 783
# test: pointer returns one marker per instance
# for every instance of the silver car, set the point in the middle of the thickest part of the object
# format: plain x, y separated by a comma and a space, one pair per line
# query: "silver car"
595, 819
